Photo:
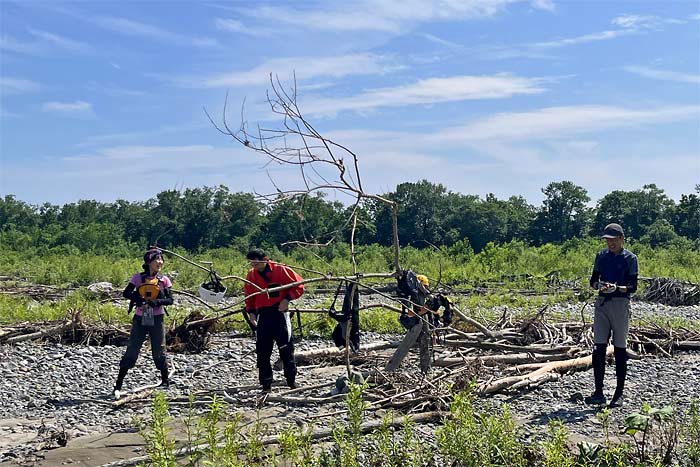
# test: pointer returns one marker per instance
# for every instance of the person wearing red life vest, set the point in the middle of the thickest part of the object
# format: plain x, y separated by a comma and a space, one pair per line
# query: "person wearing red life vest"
269, 311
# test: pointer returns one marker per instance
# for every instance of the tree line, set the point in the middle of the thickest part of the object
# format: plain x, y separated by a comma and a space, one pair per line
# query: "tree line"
197, 219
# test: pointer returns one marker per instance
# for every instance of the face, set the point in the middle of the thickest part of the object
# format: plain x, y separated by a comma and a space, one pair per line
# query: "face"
615, 244
156, 264
258, 264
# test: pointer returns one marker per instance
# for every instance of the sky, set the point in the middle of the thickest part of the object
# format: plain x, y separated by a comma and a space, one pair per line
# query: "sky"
106, 100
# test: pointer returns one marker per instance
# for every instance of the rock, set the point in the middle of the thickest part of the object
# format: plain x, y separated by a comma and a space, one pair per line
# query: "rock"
102, 288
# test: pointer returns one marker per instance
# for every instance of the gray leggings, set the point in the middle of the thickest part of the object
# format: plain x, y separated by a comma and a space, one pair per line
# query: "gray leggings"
138, 336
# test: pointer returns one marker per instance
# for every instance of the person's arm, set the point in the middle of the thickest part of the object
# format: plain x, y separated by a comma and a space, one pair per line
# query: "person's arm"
166, 299
249, 289
290, 276
130, 293
595, 275
631, 286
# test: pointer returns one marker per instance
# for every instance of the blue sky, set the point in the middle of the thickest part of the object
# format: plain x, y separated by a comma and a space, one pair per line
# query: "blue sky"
104, 100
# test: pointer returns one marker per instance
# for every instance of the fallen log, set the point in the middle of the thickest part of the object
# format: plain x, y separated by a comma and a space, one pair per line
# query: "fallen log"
43, 333
404, 347
687, 345
327, 352
506, 358
537, 375
546, 348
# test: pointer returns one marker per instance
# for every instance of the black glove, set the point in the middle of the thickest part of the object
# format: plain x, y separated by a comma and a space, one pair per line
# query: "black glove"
137, 299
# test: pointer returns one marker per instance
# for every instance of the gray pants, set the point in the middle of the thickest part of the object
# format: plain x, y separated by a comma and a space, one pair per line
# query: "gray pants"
612, 314
138, 336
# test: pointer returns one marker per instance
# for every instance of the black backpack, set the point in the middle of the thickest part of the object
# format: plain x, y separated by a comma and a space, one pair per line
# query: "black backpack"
350, 312
410, 289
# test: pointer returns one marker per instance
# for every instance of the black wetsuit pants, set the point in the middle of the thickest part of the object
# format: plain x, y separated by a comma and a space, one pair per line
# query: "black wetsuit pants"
274, 326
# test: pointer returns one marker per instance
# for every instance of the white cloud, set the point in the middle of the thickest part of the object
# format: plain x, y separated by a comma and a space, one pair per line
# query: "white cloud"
303, 67
664, 75
547, 5
10, 85
59, 41
138, 152
592, 37
555, 122
233, 25
77, 108
626, 25
10, 44
638, 22
135, 28
429, 91
392, 16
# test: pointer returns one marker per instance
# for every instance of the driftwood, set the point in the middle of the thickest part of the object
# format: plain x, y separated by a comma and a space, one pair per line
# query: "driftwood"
671, 291
536, 375
331, 352
44, 333
404, 347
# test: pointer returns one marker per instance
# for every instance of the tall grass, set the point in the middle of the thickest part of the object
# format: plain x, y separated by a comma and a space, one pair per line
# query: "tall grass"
513, 262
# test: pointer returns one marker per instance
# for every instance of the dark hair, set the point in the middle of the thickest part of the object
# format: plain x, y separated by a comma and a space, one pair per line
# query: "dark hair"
149, 256
256, 254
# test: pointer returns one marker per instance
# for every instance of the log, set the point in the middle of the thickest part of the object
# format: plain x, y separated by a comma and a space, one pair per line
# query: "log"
687, 345
404, 347
504, 333
516, 348
138, 394
537, 375
38, 335
507, 358
327, 352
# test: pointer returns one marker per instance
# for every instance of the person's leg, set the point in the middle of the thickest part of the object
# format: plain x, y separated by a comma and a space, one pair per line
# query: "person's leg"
157, 333
263, 349
283, 337
620, 329
128, 361
601, 334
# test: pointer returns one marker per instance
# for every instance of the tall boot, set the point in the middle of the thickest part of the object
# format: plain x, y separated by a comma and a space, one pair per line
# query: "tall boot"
598, 360
164, 381
120, 379
621, 374
116, 392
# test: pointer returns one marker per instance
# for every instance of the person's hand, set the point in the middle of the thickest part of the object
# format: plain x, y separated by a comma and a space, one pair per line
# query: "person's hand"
607, 287
253, 319
284, 305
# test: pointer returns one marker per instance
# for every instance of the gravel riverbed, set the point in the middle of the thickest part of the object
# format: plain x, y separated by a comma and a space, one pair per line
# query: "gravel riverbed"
46, 388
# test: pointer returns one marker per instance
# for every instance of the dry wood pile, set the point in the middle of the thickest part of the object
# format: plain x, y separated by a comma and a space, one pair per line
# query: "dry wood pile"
671, 291
74, 330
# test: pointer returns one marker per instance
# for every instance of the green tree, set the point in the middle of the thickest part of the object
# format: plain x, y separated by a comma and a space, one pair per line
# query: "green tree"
421, 214
636, 210
687, 215
563, 214
16, 214
303, 218
660, 233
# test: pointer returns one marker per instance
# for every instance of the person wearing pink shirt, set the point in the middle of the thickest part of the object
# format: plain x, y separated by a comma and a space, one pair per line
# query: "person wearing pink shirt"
150, 292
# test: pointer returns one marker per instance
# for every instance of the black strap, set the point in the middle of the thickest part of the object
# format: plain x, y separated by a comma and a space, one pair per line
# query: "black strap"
337, 292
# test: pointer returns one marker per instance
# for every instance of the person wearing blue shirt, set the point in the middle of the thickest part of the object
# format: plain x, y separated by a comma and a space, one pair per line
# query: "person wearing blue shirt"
615, 273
